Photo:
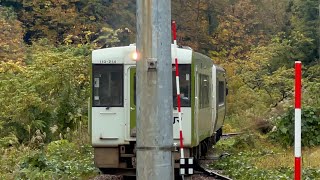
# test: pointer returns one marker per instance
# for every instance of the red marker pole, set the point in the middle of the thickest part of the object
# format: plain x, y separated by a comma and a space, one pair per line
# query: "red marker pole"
174, 33
297, 124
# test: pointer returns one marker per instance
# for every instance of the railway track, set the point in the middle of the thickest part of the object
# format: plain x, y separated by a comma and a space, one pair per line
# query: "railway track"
229, 135
201, 171
209, 173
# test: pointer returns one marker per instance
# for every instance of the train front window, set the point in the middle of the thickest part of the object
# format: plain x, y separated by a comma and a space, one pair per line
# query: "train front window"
107, 85
185, 85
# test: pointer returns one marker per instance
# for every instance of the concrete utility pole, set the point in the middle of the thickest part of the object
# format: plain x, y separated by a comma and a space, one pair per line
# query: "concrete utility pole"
154, 91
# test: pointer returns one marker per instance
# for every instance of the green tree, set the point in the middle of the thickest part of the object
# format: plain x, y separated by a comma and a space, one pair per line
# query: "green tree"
196, 21
305, 20
274, 15
52, 89
238, 32
11, 36
48, 19
58, 20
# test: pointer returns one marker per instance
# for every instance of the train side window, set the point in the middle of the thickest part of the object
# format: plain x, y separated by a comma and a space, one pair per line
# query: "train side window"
107, 85
221, 92
204, 91
135, 88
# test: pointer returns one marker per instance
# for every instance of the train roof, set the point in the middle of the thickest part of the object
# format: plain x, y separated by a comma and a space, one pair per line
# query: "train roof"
123, 55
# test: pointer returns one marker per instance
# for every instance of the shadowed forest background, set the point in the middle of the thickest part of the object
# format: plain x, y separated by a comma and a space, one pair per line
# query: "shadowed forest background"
45, 59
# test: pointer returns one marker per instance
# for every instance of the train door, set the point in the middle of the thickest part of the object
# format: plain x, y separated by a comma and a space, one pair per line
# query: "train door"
107, 104
214, 96
196, 109
221, 97
132, 104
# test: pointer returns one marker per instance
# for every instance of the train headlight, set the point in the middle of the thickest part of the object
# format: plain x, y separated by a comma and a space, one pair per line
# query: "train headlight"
135, 56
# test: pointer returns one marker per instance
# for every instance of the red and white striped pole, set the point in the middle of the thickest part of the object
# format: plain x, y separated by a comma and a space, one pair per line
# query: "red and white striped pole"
297, 124
174, 32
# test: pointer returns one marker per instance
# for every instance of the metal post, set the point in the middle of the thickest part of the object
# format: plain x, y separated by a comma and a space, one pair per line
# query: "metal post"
154, 91
297, 123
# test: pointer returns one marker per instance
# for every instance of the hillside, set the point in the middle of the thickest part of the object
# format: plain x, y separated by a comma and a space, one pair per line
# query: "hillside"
45, 54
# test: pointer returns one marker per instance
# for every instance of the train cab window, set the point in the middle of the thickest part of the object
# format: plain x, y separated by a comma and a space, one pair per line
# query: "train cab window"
221, 92
107, 85
185, 85
204, 91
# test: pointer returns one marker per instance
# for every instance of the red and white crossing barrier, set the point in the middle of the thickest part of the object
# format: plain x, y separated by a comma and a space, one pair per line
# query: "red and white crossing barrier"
297, 124
174, 32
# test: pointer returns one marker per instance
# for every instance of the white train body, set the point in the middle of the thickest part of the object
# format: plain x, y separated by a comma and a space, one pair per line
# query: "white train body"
203, 86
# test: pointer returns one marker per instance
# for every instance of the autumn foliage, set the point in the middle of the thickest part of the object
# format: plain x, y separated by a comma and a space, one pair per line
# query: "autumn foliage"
45, 48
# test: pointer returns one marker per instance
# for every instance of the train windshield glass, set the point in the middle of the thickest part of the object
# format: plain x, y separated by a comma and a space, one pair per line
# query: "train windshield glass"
107, 85
185, 85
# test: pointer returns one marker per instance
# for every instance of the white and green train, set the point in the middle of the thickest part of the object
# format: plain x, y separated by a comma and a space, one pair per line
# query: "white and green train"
113, 115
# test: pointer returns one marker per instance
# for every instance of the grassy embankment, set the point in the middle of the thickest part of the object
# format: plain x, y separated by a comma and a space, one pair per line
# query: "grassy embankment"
255, 156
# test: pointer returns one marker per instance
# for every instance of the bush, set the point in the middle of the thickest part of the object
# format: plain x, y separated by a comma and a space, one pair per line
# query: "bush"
310, 127
247, 140
58, 160
241, 166
52, 88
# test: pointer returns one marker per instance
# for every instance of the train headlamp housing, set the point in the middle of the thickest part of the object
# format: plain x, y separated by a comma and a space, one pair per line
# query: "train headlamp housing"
134, 56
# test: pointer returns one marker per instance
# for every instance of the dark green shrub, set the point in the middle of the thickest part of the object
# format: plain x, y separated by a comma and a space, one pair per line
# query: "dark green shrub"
310, 127
246, 140
58, 160
36, 159
241, 166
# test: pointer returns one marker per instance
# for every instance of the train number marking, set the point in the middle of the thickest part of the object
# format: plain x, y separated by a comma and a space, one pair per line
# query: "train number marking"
108, 61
